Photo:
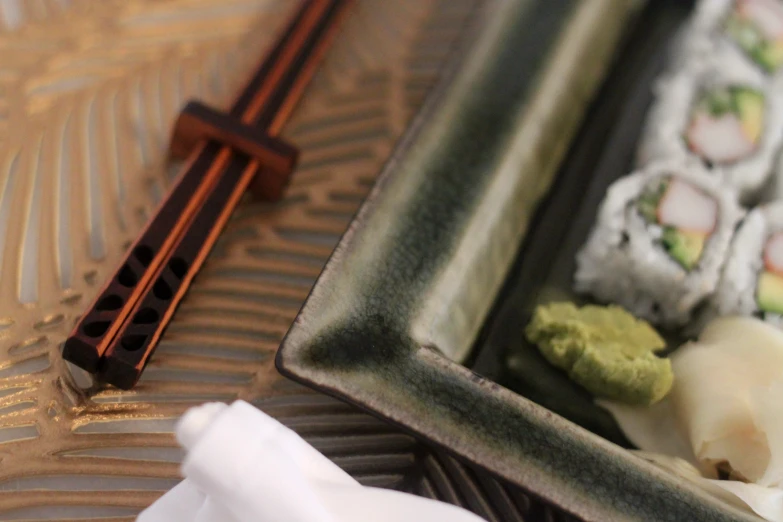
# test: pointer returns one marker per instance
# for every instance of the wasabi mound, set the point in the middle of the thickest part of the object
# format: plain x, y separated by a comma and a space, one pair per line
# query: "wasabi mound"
604, 349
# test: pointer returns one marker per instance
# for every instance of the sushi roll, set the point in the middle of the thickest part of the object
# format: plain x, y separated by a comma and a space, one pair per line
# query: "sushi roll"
660, 242
754, 28
721, 111
752, 280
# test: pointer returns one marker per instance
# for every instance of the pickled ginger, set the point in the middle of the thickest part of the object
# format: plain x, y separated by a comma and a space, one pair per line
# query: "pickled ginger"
724, 412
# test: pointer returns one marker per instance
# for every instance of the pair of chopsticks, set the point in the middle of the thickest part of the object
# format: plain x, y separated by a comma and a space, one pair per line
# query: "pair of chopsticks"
228, 154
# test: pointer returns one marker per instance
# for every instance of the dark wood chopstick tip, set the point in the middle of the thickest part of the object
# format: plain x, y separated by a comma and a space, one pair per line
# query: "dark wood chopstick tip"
119, 374
81, 353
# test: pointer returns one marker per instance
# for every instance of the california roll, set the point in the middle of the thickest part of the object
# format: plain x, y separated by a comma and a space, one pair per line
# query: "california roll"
721, 111
660, 241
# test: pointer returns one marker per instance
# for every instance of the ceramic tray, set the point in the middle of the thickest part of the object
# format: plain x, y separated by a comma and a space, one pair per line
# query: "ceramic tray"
394, 323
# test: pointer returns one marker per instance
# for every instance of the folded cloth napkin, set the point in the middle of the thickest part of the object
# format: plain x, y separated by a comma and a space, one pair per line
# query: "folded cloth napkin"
244, 466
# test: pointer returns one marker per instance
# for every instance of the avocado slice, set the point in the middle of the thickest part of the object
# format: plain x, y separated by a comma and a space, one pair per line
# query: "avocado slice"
769, 292
750, 108
767, 54
685, 247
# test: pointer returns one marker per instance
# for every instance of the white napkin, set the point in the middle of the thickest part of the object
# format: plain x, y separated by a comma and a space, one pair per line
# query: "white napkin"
244, 466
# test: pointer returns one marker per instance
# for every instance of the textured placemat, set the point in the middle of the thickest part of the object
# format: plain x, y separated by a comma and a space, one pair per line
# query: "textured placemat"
88, 91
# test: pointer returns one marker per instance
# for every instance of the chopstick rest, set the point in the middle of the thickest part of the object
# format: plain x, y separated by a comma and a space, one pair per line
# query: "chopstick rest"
228, 154
198, 122
243, 465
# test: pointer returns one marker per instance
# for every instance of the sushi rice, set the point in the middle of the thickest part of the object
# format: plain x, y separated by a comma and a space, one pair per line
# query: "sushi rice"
626, 261
752, 279
752, 28
722, 111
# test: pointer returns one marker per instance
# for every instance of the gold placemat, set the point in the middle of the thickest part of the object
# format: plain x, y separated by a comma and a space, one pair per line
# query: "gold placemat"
87, 98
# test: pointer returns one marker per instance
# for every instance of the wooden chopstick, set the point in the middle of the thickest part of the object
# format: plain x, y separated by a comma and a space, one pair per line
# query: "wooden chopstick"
229, 154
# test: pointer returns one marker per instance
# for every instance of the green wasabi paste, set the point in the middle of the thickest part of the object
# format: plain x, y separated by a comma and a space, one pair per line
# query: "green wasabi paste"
604, 349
